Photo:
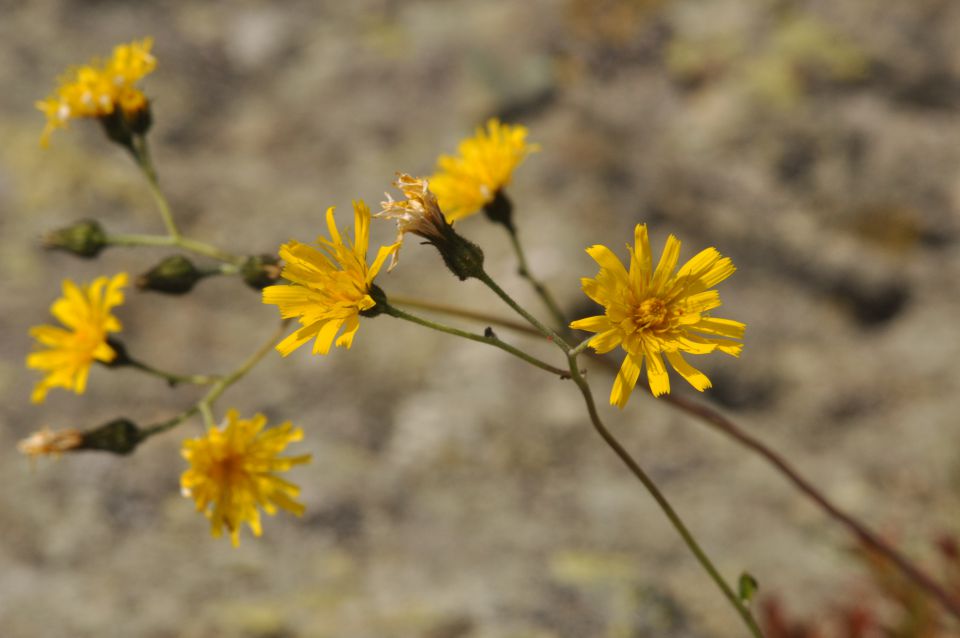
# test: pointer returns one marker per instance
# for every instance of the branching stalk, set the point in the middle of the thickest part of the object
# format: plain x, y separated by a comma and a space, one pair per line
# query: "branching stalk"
489, 338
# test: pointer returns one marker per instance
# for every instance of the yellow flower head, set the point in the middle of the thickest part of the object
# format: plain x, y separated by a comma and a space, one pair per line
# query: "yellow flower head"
466, 183
99, 88
418, 214
233, 472
331, 286
49, 442
656, 312
69, 352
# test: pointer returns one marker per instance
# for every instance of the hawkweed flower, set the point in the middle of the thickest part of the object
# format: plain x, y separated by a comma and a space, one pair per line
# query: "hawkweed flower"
420, 214
233, 472
471, 180
656, 313
67, 353
331, 285
47, 442
101, 88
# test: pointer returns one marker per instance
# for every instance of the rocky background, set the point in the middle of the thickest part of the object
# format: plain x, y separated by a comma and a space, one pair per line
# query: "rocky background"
455, 492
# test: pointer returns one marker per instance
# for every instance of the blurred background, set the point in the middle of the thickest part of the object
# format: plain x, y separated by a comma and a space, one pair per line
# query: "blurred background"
455, 492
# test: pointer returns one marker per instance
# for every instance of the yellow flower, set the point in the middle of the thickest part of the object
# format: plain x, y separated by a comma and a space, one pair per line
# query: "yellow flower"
466, 183
49, 442
233, 472
331, 286
70, 352
97, 89
418, 214
655, 312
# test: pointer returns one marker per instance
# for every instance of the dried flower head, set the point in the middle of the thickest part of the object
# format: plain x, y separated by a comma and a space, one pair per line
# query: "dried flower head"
419, 213
47, 442
233, 471
469, 181
69, 352
98, 89
330, 286
655, 313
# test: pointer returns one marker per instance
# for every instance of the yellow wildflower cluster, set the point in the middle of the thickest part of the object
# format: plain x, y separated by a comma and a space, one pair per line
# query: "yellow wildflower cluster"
466, 183
655, 313
69, 352
98, 89
234, 469
233, 472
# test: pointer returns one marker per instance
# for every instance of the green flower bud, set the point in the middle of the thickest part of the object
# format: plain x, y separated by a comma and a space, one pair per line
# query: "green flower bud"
175, 275
260, 271
83, 239
120, 436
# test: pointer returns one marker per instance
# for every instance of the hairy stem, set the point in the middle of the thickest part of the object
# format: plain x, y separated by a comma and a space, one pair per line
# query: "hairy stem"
190, 245
719, 422
520, 310
661, 500
141, 153
205, 405
488, 338
542, 291
714, 419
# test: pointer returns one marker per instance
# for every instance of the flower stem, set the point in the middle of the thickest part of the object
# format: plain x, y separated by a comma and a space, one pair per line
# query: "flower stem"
542, 291
542, 329
191, 245
141, 153
488, 338
464, 313
661, 500
171, 378
205, 405
719, 422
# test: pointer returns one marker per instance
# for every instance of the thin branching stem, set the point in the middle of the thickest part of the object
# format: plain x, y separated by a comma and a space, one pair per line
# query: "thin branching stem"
171, 378
661, 500
520, 310
185, 243
716, 420
542, 291
719, 422
488, 338
205, 405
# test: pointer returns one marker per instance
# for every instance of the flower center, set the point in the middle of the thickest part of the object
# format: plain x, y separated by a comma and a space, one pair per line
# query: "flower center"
651, 313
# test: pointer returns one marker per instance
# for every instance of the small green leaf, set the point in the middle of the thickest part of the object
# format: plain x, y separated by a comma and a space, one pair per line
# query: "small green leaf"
747, 587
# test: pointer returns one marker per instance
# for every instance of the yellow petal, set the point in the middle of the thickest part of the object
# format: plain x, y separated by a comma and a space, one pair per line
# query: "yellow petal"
693, 376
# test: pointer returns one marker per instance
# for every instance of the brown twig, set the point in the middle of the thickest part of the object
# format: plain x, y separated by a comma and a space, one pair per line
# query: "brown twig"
713, 418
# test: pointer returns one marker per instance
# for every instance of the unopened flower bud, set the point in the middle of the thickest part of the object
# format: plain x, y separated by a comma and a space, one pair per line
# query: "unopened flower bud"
83, 239
175, 275
120, 436
260, 271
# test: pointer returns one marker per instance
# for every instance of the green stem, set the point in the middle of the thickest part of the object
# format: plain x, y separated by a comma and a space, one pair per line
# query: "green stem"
220, 386
141, 153
191, 245
661, 500
464, 313
542, 329
205, 405
170, 377
538, 286
489, 338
